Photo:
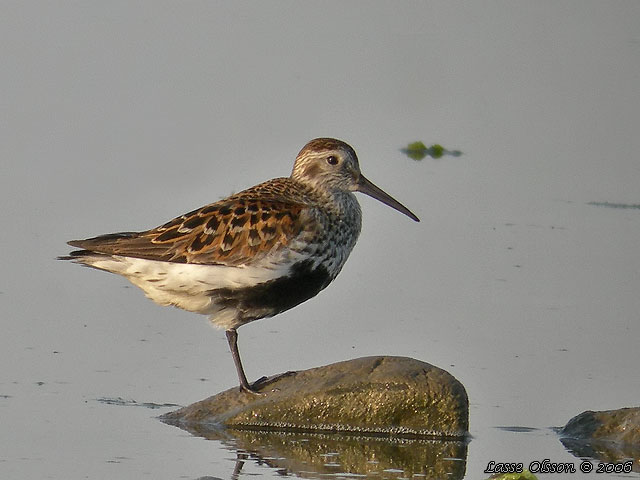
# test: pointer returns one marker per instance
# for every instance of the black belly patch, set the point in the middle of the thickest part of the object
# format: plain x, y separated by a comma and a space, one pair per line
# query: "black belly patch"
270, 298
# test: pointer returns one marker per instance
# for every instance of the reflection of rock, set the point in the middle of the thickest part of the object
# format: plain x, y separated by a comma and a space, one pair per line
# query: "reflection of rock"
393, 396
612, 435
313, 455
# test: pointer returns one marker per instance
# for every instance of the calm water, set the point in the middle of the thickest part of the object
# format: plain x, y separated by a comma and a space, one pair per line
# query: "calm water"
521, 279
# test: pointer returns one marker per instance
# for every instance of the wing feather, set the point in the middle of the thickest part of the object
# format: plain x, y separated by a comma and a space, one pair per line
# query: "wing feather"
234, 231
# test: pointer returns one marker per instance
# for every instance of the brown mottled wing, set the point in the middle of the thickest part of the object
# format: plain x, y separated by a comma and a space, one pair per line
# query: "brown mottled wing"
234, 231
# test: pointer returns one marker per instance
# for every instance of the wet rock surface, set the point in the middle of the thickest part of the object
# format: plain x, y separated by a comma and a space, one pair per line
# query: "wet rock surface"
380, 396
610, 435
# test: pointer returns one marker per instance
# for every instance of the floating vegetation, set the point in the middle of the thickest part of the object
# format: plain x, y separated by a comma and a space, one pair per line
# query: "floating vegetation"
615, 205
525, 475
418, 150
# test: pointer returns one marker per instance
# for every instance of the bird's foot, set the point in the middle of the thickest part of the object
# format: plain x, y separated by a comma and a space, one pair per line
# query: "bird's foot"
251, 390
264, 381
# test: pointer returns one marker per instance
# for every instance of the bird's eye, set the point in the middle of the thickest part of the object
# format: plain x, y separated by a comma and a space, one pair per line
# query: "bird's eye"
332, 160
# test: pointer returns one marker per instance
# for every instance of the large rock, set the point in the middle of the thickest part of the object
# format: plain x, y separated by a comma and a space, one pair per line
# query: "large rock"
390, 396
610, 435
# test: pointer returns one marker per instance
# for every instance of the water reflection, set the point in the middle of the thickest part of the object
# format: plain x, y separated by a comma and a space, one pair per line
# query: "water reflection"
309, 455
604, 451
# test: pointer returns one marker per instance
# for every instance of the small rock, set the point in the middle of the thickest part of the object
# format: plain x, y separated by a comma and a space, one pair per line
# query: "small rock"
388, 396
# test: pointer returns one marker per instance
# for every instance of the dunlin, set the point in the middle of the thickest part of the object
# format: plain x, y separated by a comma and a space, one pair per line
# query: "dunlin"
254, 254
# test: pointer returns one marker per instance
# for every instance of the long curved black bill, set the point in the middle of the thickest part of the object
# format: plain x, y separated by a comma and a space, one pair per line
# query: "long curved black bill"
368, 188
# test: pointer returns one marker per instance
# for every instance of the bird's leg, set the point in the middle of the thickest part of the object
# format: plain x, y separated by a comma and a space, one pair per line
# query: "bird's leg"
232, 338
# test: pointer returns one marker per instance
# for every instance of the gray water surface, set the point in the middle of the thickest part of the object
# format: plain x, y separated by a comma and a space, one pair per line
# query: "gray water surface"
119, 116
